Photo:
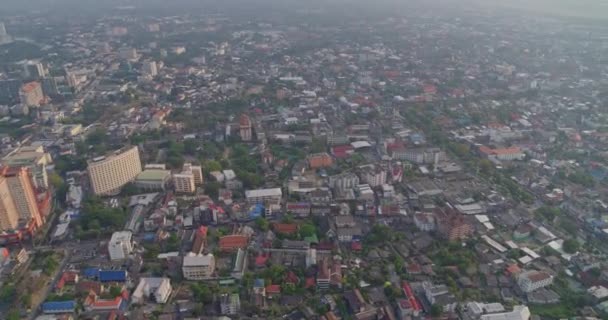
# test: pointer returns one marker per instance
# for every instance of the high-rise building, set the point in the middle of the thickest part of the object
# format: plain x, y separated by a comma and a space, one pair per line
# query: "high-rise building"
149, 68
35, 159
22, 192
197, 172
120, 245
34, 70
109, 174
4, 36
9, 217
31, 94
184, 182
245, 127
198, 267
49, 86
9, 90
128, 53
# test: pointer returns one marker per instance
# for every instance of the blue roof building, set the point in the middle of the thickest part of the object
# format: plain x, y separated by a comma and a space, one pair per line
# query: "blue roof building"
112, 275
256, 211
59, 307
91, 272
258, 283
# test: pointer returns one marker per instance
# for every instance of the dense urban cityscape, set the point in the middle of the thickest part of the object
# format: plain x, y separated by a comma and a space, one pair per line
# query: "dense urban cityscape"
294, 160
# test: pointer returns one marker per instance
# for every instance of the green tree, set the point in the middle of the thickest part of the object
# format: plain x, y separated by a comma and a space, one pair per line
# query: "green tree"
548, 213
13, 315
262, 223
436, 310
212, 165
212, 189
308, 230
571, 246
115, 291
7, 293
201, 293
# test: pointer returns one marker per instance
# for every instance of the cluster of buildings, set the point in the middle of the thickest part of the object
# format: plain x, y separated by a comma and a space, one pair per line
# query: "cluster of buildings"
460, 178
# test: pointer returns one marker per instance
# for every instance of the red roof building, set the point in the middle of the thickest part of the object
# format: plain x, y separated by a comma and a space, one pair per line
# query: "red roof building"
273, 289
341, 152
233, 242
285, 228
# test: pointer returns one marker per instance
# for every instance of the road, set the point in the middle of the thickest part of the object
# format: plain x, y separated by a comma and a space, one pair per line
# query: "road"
51, 285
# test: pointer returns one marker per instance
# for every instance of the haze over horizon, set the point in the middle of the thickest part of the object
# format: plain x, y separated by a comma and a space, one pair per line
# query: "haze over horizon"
595, 9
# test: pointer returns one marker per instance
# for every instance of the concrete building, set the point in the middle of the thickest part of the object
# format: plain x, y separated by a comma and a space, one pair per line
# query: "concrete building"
518, 313
128, 53
197, 172
187, 180
9, 216
22, 192
198, 267
184, 182
34, 70
375, 176
150, 68
4, 36
35, 159
245, 128
533, 280
420, 155
159, 288
120, 245
109, 174
502, 154
266, 196
153, 179
343, 181
31, 94
424, 221
230, 304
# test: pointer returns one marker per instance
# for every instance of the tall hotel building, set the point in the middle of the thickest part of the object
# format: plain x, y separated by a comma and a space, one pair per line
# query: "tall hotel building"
109, 174
18, 201
9, 217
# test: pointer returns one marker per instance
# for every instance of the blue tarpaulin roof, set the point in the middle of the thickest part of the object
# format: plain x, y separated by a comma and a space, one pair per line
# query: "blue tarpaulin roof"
58, 306
113, 276
91, 272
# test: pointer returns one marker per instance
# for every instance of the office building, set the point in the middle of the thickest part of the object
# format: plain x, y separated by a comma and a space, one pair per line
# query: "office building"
187, 180
266, 196
109, 174
533, 280
9, 90
184, 182
197, 172
9, 216
150, 68
153, 179
198, 267
120, 245
35, 159
343, 181
31, 94
375, 176
4, 36
519, 313
128, 53
230, 304
22, 192
158, 288
34, 70
245, 127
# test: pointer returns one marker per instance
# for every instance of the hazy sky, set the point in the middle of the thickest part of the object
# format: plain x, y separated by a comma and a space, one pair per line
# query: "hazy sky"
574, 8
